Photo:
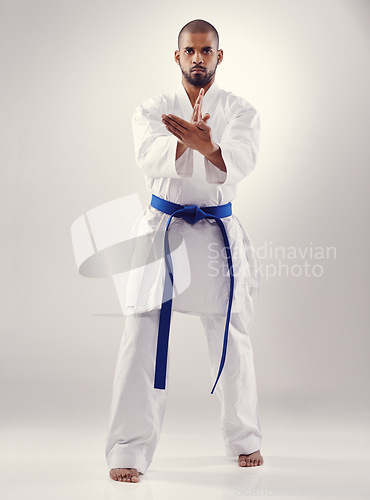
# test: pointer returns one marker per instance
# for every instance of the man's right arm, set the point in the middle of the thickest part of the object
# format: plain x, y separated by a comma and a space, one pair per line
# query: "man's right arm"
157, 152
181, 148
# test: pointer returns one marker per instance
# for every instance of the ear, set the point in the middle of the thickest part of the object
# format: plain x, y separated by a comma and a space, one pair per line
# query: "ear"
177, 56
220, 56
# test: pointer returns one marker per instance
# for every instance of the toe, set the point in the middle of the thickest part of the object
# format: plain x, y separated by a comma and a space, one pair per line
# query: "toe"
251, 460
124, 475
134, 475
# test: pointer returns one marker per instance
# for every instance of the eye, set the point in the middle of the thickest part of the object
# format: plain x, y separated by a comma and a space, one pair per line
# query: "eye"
188, 51
208, 51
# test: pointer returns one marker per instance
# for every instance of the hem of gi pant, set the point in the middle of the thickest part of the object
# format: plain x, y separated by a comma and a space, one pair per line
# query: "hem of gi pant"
253, 444
122, 460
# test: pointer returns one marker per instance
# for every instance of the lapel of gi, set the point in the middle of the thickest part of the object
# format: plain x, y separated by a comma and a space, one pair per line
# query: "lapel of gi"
210, 99
184, 102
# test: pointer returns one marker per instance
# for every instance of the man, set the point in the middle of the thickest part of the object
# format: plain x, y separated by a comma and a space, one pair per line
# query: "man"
195, 160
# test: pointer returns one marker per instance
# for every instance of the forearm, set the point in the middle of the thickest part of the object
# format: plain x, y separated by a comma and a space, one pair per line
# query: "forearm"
215, 157
181, 148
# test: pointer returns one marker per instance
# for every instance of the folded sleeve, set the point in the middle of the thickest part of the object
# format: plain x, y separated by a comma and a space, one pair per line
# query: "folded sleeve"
239, 145
155, 146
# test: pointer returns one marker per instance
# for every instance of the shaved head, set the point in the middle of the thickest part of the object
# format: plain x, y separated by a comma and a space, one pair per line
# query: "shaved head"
198, 26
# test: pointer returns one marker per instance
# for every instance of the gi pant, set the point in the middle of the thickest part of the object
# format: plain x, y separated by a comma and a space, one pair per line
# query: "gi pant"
137, 408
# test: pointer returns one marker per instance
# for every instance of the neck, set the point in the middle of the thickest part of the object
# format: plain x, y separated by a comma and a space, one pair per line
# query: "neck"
193, 91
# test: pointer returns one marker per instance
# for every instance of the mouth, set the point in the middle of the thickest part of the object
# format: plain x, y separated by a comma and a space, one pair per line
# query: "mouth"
198, 70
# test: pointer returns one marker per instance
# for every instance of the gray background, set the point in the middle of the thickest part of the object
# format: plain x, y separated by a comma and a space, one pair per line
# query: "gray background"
71, 75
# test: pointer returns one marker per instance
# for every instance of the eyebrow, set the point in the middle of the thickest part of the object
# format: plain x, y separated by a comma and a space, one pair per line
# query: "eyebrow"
190, 48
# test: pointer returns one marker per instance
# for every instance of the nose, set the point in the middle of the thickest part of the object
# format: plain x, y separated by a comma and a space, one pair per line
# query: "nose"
197, 58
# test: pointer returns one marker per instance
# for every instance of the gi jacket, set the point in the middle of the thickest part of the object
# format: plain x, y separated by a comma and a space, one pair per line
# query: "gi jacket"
201, 273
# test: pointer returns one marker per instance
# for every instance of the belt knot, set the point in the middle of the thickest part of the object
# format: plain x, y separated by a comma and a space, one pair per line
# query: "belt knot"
191, 213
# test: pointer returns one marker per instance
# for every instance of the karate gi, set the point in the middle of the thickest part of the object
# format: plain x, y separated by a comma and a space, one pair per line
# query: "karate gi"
137, 408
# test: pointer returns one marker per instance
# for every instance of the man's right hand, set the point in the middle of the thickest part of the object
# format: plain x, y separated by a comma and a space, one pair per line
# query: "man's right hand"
196, 119
197, 110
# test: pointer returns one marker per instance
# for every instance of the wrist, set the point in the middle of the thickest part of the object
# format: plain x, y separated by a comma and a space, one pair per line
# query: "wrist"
215, 157
211, 150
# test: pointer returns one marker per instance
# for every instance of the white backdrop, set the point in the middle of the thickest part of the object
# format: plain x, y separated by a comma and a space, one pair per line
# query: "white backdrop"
72, 73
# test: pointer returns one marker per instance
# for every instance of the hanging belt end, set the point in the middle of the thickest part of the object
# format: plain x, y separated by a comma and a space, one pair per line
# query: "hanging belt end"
159, 383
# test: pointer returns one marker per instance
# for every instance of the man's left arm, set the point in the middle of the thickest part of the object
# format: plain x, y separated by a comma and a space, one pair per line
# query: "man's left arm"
238, 147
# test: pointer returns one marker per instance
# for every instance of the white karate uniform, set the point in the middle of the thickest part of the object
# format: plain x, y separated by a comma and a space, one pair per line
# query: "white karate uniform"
137, 408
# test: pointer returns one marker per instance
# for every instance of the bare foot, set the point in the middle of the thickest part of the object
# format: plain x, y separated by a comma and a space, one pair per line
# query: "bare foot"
124, 475
251, 460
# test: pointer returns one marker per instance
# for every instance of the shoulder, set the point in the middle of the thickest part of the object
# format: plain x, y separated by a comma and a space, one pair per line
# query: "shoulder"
233, 102
236, 106
155, 105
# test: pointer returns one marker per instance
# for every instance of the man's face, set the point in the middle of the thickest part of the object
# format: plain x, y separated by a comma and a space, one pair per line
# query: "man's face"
198, 57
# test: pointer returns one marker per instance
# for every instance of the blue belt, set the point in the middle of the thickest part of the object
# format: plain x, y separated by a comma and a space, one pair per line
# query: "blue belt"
191, 214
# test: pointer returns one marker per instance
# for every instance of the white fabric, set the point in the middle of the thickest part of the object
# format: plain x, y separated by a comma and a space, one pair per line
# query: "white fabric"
137, 409
192, 179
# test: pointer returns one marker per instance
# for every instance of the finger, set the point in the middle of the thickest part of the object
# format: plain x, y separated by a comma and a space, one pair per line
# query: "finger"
193, 114
196, 111
195, 107
175, 131
201, 95
206, 117
197, 99
202, 126
177, 121
173, 124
